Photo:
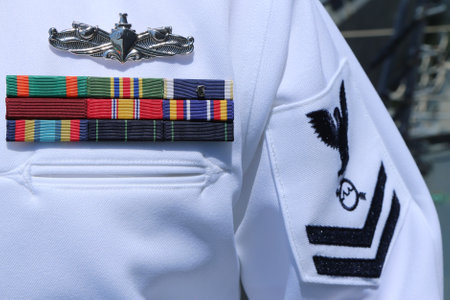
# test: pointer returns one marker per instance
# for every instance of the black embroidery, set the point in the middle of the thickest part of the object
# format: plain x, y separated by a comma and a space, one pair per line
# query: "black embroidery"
352, 237
348, 195
369, 268
333, 132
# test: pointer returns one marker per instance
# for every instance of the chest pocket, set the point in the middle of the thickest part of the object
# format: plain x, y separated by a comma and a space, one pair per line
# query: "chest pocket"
96, 174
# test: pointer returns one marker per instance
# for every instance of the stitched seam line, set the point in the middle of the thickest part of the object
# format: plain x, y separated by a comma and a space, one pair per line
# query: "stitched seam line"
258, 73
281, 196
321, 94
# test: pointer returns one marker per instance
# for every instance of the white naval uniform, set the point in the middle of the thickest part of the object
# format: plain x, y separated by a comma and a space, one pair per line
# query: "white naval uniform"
192, 220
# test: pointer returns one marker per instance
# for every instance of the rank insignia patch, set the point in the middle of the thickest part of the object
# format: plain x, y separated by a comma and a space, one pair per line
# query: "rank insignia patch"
341, 197
334, 133
122, 44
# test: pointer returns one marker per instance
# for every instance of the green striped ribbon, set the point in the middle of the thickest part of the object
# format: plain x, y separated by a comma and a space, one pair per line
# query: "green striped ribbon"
46, 86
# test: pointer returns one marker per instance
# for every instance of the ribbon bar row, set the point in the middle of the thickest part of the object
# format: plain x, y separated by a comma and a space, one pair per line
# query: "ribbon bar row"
117, 87
146, 109
116, 130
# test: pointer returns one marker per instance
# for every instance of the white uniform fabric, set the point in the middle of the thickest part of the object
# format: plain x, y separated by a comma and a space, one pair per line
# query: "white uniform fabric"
192, 220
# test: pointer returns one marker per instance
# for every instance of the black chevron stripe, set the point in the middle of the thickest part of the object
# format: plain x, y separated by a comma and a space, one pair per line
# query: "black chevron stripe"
369, 268
352, 237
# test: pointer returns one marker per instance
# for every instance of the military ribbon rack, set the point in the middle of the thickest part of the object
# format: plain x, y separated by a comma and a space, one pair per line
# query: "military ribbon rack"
82, 108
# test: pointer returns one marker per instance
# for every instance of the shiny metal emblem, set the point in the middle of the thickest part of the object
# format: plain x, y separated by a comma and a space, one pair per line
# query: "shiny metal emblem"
122, 44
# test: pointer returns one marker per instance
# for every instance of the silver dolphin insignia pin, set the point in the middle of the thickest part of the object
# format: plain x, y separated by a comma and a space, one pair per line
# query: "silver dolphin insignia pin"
122, 44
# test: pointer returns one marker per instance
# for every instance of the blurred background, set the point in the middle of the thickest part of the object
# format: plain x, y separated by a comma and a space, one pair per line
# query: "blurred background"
404, 45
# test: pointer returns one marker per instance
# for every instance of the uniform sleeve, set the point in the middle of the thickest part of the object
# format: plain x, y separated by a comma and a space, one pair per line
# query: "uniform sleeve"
334, 206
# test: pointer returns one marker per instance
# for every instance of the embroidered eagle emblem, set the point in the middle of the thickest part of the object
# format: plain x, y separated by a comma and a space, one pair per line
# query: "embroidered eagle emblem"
333, 131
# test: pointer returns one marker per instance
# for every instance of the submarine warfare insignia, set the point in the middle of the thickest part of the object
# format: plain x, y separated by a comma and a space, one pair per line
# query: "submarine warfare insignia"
122, 44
